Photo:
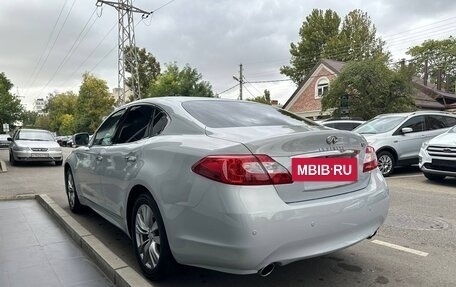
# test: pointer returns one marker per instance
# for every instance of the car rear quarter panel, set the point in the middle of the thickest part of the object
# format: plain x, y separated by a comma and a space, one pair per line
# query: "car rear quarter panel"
166, 171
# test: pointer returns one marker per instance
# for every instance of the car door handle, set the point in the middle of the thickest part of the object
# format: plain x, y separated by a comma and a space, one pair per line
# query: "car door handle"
99, 157
130, 158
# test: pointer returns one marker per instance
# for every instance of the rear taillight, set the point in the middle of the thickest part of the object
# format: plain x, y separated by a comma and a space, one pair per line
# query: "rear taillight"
242, 169
370, 159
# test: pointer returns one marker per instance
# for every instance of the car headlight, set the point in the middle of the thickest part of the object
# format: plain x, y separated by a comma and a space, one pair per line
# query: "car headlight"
20, 148
425, 145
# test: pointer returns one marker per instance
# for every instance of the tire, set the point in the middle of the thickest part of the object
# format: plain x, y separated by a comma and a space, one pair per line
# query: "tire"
149, 238
72, 195
12, 160
58, 162
434, 177
386, 163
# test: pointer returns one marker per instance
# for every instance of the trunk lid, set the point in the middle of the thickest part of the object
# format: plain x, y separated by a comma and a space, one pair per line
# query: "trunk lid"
282, 143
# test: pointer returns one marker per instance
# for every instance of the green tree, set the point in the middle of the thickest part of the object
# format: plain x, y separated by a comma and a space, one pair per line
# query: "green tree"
440, 54
29, 118
94, 102
11, 108
322, 36
318, 28
67, 124
264, 99
148, 69
175, 82
372, 89
42, 122
59, 105
356, 41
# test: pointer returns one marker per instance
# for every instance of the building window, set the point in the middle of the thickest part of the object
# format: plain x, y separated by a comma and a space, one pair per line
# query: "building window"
322, 87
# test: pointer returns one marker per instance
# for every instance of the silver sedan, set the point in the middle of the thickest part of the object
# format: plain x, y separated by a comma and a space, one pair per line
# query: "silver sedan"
211, 183
29, 145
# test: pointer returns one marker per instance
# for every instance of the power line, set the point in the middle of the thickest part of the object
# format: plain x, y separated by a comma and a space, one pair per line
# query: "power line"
71, 50
53, 44
93, 51
47, 44
164, 5
269, 81
249, 91
228, 89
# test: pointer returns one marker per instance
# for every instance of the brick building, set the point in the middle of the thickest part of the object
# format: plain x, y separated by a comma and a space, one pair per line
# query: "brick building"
306, 100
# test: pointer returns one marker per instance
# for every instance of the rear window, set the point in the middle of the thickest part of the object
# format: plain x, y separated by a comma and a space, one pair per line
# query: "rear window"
228, 114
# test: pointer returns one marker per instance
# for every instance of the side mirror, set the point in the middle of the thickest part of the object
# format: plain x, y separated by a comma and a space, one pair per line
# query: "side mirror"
406, 130
81, 139
9, 139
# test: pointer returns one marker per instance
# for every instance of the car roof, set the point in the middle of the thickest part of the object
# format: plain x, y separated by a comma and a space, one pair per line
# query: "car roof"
430, 112
342, 121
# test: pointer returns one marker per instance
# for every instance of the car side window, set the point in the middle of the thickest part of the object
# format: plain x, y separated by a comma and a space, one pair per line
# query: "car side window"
435, 122
159, 122
416, 123
450, 121
135, 125
105, 133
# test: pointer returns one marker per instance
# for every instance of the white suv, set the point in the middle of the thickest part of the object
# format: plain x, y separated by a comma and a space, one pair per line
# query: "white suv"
397, 138
438, 156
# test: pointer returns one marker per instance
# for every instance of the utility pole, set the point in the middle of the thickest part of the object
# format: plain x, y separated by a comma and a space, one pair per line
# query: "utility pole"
127, 58
240, 80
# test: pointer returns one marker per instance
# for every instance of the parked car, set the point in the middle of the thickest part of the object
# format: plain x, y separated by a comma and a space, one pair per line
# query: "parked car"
346, 125
34, 145
207, 182
4, 140
438, 156
397, 138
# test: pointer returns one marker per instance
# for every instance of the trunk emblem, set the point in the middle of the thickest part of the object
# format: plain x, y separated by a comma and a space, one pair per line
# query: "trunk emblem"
332, 140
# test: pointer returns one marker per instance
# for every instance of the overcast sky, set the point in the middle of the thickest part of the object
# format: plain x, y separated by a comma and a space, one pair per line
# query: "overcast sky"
213, 36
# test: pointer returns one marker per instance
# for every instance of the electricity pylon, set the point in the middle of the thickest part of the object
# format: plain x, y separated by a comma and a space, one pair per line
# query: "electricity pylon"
127, 52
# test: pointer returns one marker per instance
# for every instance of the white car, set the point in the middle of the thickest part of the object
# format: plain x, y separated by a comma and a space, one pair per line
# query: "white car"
31, 145
397, 137
437, 158
346, 125
208, 183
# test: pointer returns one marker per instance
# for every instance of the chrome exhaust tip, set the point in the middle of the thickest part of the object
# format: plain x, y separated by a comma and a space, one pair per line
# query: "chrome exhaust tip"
266, 271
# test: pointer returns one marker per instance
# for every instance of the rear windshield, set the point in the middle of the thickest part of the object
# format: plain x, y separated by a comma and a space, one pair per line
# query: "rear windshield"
228, 114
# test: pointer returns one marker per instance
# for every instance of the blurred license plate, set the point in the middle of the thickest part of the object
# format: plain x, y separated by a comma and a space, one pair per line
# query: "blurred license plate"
442, 162
324, 169
39, 155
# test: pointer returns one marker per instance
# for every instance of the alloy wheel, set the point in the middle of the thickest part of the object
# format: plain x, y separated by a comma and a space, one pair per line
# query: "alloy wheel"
70, 190
147, 236
385, 164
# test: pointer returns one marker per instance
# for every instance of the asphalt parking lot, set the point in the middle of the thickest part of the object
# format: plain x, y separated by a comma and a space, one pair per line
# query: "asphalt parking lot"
415, 247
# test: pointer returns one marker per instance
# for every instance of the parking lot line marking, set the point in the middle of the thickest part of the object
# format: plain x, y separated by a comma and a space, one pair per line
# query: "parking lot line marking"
401, 248
405, 176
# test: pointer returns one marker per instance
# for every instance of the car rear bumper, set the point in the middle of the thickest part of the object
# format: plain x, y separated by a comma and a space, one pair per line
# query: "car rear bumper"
28, 156
247, 228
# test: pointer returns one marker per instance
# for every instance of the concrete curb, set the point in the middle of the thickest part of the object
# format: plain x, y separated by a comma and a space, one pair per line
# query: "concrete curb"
114, 267
18, 197
3, 166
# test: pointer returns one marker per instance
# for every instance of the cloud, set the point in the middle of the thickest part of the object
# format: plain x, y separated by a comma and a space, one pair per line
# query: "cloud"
212, 36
